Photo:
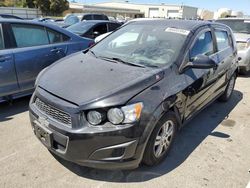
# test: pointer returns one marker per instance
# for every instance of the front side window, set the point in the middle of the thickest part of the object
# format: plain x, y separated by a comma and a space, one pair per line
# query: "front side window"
113, 26
202, 46
1, 39
142, 43
29, 35
100, 29
56, 37
222, 40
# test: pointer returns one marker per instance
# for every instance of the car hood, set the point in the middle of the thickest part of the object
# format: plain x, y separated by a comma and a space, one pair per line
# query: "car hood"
83, 80
241, 37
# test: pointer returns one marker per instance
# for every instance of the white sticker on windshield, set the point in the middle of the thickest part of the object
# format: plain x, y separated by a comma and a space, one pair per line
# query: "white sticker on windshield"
246, 21
176, 30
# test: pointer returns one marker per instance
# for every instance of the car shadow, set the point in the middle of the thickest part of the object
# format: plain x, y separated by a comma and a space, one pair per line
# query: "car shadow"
7, 110
189, 138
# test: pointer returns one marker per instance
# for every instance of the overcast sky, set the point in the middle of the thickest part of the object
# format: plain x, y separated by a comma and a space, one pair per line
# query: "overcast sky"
238, 5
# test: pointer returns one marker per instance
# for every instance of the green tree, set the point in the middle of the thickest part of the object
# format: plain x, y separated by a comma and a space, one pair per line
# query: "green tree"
58, 6
29, 4
43, 5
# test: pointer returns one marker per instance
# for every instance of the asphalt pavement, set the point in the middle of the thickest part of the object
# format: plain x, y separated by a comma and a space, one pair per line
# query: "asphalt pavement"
213, 150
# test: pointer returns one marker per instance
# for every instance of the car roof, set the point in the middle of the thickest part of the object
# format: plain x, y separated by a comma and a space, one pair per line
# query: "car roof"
179, 24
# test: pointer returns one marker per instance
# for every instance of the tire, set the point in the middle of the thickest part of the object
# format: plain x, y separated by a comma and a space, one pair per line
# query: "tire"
229, 89
153, 154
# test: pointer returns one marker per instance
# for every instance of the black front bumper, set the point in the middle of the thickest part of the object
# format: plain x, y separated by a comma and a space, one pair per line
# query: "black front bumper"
105, 148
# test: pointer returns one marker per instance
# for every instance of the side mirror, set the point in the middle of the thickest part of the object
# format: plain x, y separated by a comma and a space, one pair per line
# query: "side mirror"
202, 62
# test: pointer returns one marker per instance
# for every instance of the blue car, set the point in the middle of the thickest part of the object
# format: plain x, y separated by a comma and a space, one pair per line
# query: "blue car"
26, 48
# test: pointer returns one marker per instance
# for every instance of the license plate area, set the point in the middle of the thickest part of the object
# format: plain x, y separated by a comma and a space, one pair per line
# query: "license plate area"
43, 134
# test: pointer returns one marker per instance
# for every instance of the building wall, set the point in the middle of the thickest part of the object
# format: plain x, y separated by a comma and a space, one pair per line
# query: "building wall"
189, 12
150, 10
26, 13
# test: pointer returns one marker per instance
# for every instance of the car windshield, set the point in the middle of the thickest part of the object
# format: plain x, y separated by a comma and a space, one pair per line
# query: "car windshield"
80, 28
238, 26
143, 44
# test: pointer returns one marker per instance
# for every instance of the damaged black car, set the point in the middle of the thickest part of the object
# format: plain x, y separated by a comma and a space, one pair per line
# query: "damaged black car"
121, 102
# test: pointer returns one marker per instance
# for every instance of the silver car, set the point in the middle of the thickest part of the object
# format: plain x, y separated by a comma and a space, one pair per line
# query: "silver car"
241, 29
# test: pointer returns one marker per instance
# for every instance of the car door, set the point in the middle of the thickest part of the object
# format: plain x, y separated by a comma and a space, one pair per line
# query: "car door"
225, 56
8, 79
58, 45
33, 52
201, 80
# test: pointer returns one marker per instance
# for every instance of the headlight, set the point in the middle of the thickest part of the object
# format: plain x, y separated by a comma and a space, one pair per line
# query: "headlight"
115, 116
127, 114
94, 117
124, 115
132, 112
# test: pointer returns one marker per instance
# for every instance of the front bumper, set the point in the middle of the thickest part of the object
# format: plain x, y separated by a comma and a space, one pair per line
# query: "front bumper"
88, 146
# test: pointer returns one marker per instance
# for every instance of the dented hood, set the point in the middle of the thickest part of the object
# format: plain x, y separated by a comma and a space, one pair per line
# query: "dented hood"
84, 79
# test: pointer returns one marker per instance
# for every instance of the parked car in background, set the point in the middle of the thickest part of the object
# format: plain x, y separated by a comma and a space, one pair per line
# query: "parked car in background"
122, 101
27, 47
9, 16
92, 16
44, 19
94, 28
241, 29
71, 19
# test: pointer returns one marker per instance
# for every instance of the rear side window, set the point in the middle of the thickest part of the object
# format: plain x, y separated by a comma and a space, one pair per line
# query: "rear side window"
203, 45
113, 26
222, 40
56, 37
29, 35
1, 39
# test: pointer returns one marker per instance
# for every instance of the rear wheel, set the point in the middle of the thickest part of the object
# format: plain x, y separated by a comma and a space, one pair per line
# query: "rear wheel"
229, 89
160, 140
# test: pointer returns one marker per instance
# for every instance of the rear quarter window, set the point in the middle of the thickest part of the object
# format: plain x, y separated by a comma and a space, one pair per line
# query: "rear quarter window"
56, 37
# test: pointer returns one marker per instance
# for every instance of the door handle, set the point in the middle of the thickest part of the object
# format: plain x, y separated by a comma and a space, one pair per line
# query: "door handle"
56, 50
4, 58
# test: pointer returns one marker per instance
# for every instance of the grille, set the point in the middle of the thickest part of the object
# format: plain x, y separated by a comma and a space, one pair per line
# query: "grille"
53, 112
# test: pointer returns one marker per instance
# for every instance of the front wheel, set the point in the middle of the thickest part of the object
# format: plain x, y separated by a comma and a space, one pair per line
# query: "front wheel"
160, 140
229, 89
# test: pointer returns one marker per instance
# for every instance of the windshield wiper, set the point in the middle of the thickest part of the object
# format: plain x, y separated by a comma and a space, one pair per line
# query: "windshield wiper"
115, 59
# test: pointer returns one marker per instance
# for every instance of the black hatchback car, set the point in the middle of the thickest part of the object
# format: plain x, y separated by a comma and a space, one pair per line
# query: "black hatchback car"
121, 102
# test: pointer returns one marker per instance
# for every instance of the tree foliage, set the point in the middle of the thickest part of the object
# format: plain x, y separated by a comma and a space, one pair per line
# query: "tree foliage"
53, 7
48, 7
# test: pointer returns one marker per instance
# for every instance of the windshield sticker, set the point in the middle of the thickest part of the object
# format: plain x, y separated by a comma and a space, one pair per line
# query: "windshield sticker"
246, 21
179, 31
